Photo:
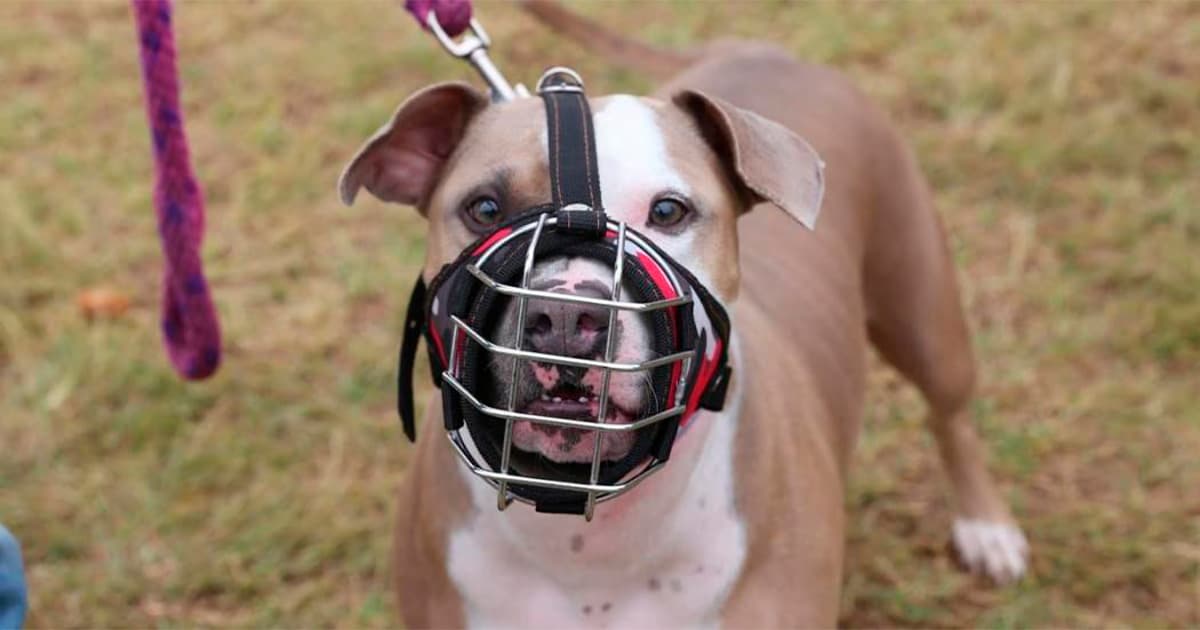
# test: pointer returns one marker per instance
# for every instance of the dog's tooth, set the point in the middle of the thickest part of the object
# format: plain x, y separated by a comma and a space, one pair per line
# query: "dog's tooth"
583, 399
545, 397
557, 399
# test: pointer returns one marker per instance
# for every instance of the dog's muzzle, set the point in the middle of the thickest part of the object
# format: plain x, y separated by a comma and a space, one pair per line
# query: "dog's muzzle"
462, 307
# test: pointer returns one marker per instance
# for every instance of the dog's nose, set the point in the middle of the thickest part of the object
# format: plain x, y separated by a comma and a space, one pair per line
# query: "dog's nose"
568, 329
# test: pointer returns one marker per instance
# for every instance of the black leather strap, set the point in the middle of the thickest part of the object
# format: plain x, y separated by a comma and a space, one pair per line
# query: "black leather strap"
713, 397
582, 222
414, 323
574, 176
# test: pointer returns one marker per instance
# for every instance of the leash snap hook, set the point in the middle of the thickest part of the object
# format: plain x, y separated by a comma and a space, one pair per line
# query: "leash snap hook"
473, 48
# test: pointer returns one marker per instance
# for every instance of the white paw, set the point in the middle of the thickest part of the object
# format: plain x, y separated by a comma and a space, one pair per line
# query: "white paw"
997, 550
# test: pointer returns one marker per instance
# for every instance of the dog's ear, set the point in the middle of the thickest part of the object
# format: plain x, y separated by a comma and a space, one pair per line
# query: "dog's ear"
767, 160
401, 163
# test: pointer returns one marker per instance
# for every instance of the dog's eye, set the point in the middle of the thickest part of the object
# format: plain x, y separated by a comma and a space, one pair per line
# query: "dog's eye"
484, 211
668, 211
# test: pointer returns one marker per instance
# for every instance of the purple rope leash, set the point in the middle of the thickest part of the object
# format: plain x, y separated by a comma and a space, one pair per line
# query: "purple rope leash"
453, 15
189, 321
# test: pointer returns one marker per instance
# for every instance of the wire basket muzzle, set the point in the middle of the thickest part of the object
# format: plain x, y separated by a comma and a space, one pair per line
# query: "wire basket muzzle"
480, 293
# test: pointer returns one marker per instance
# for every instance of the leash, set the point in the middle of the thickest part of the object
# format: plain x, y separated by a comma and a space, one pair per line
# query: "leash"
447, 19
190, 329
451, 16
189, 321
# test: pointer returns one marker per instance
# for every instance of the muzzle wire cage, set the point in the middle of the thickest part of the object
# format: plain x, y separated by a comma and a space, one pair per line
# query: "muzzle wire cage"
465, 333
687, 335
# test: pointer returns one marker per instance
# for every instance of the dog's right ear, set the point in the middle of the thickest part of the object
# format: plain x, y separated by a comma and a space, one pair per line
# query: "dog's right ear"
401, 163
768, 160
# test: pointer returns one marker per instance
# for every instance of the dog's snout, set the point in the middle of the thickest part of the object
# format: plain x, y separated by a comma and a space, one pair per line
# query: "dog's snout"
563, 328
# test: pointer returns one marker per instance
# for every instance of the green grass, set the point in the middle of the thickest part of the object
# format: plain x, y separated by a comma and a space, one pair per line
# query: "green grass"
1062, 140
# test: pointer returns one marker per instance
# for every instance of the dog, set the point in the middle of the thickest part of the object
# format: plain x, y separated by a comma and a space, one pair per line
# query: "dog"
720, 166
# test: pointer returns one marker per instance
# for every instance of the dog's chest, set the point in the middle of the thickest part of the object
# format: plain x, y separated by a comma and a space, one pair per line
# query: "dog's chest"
501, 588
630, 567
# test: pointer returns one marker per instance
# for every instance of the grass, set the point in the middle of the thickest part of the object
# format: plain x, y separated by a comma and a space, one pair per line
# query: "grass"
1062, 142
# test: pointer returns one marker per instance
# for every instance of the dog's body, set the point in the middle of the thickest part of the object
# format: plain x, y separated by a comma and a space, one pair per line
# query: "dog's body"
745, 526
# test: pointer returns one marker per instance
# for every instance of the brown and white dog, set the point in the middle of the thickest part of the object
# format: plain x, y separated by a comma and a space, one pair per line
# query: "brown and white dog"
745, 526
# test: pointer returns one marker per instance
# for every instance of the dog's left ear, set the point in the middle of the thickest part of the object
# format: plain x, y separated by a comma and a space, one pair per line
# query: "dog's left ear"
768, 160
402, 162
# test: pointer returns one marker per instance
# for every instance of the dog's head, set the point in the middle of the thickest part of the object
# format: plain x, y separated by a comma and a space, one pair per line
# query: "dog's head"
680, 172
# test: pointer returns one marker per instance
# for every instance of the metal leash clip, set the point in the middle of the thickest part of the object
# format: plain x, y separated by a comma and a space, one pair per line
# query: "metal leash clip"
473, 47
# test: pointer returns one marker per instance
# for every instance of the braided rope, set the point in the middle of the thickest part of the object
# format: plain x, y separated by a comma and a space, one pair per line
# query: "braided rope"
453, 15
189, 321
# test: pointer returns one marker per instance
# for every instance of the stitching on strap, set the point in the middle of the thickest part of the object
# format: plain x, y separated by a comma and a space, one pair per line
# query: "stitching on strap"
556, 157
587, 149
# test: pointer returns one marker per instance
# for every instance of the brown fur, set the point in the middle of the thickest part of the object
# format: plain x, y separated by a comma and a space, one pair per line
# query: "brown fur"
877, 258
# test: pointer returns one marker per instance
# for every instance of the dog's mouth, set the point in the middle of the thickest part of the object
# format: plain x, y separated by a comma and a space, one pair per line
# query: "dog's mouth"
567, 401
569, 392
551, 444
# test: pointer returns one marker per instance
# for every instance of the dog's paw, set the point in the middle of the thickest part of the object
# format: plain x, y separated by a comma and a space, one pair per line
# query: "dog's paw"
997, 550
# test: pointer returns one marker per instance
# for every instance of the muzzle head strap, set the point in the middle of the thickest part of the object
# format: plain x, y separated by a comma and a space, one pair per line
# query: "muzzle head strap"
574, 175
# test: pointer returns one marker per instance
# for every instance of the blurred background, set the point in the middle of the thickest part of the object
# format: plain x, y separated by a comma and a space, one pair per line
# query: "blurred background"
1062, 142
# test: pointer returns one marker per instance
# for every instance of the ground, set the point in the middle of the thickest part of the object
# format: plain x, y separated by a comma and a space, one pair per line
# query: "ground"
1061, 139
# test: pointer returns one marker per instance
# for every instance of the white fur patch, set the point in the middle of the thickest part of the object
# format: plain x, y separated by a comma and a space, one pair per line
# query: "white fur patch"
634, 164
998, 550
635, 167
